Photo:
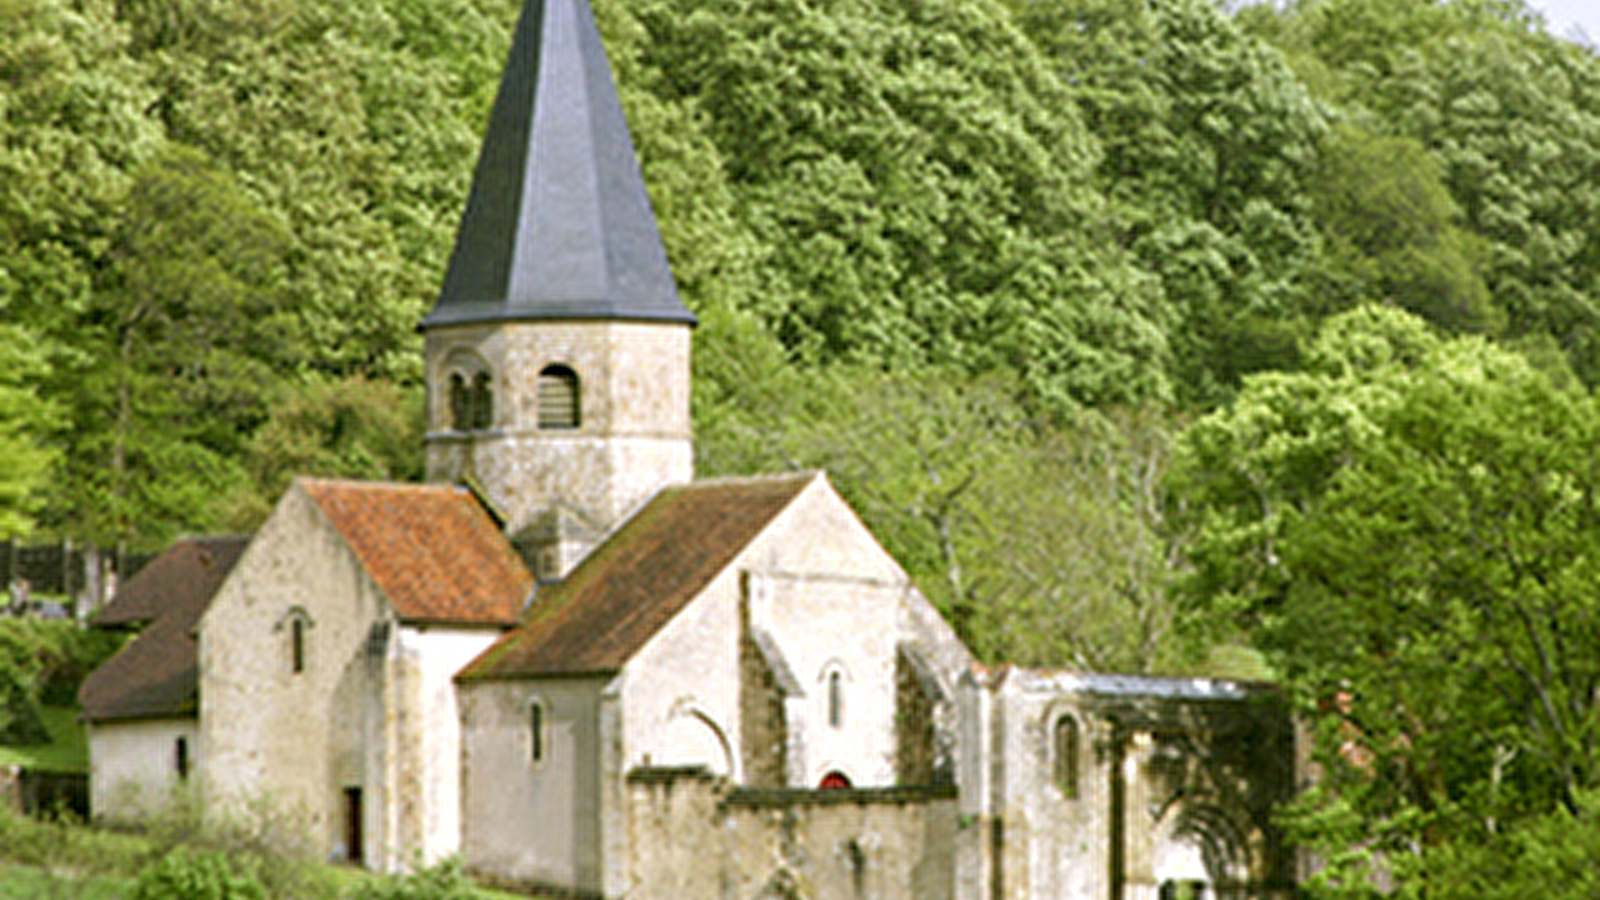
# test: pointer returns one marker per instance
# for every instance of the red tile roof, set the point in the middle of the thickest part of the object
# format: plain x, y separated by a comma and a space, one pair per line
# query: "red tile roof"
638, 580
156, 676
432, 549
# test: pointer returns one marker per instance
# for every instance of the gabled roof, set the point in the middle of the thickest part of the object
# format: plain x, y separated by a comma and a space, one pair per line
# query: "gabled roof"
432, 549
156, 676
558, 224
630, 587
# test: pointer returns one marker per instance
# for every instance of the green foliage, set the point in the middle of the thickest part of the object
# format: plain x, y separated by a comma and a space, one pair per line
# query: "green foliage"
353, 428
187, 875
1042, 546
1409, 532
42, 662
1508, 114
913, 176
25, 422
446, 881
1209, 148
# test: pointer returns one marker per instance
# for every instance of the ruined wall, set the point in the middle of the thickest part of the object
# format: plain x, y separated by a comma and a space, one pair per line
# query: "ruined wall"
695, 836
1168, 782
635, 434
133, 766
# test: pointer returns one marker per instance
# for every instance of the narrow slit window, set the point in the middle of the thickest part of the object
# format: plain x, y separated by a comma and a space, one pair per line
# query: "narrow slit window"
559, 399
297, 645
536, 739
180, 760
1066, 756
835, 699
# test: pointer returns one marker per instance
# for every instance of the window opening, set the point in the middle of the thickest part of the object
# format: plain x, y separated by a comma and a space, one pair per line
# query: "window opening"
835, 781
1066, 756
536, 746
835, 699
559, 399
460, 402
297, 644
482, 401
180, 760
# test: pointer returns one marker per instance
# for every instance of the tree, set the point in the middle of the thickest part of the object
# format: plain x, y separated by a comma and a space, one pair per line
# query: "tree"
912, 174
26, 422
1040, 543
1393, 233
1410, 531
1210, 145
1511, 116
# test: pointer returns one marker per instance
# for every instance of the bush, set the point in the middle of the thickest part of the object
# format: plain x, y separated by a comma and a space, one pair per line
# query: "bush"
189, 875
446, 881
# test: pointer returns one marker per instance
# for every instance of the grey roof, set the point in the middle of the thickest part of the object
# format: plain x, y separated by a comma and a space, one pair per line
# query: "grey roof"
558, 224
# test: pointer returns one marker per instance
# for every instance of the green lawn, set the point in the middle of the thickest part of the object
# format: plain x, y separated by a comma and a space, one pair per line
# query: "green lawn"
67, 752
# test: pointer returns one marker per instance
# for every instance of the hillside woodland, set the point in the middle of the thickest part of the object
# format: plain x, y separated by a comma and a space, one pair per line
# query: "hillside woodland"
1151, 336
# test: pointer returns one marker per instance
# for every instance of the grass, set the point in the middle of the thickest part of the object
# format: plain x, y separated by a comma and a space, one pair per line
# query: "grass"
43, 859
19, 882
67, 752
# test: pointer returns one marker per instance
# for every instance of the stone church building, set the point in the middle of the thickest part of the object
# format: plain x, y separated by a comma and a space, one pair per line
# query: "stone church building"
571, 664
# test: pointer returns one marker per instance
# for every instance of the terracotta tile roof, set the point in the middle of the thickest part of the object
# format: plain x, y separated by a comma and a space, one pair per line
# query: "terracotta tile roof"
432, 549
156, 676
638, 580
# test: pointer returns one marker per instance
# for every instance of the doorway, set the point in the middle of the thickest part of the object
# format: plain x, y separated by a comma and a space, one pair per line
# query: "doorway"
353, 837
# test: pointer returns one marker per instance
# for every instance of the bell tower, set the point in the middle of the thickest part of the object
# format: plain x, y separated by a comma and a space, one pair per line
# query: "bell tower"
557, 355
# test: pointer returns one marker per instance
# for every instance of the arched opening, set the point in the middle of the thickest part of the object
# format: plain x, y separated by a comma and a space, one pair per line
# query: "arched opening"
835, 780
836, 699
559, 400
482, 413
536, 732
469, 392
1064, 768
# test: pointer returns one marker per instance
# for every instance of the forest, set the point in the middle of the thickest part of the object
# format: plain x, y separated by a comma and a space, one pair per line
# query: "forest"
1150, 335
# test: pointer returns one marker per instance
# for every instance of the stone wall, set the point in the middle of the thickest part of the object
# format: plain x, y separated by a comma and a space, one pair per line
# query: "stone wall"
133, 766
634, 436
693, 835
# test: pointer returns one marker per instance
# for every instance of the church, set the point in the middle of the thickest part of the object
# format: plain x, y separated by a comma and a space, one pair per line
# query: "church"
577, 668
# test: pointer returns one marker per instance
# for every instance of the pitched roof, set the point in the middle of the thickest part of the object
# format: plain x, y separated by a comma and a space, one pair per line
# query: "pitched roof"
156, 676
432, 549
638, 580
558, 224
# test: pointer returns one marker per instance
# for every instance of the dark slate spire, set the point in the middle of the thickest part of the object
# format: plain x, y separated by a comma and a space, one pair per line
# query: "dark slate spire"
558, 225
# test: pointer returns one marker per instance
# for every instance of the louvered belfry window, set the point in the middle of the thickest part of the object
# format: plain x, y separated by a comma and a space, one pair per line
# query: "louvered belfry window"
559, 399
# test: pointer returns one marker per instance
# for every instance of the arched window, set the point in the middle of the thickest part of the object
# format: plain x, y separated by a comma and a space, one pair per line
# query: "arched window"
1065, 763
836, 699
482, 401
834, 781
460, 402
470, 387
559, 401
536, 732
297, 623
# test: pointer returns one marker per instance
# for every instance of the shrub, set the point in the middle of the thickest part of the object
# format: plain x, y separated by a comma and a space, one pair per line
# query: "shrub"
189, 875
446, 881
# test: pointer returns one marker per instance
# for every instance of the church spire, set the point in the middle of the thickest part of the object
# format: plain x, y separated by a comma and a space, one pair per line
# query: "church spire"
558, 225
